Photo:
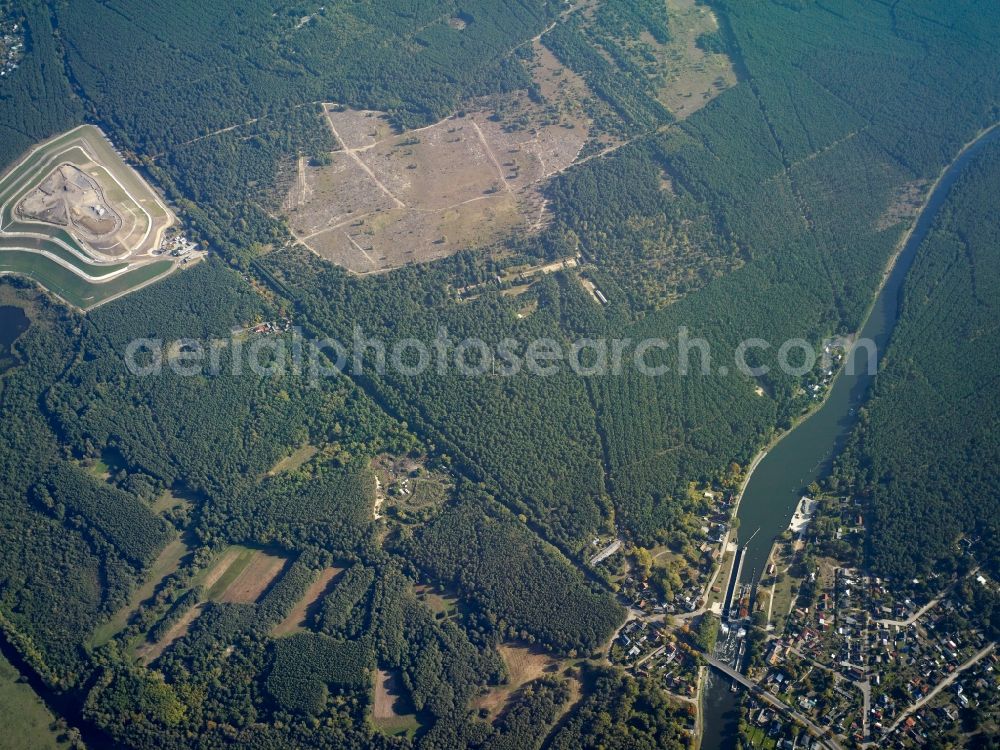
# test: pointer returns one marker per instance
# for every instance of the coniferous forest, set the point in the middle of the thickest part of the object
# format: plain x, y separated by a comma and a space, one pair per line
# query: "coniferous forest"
131, 507
924, 454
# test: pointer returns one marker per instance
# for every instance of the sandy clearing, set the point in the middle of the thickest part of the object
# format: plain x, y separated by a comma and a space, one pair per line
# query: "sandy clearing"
389, 199
524, 664
388, 688
296, 619
149, 653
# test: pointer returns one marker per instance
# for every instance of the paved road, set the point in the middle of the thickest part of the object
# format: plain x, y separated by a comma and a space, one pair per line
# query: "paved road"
914, 617
927, 607
725, 543
819, 733
866, 707
606, 552
941, 686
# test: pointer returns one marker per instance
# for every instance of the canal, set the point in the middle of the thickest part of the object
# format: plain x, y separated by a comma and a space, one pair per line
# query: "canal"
806, 453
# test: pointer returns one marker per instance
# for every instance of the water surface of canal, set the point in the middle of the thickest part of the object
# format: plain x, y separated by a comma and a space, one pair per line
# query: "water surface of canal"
806, 453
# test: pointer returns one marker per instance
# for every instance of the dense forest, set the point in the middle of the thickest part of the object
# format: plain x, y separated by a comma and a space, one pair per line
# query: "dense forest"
36, 100
787, 193
925, 454
401, 57
623, 713
47, 585
521, 586
104, 536
495, 427
807, 236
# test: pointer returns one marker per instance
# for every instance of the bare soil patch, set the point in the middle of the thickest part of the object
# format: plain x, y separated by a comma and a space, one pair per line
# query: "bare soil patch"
437, 168
388, 199
394, 237
298, 458
150, 652
524, 664
253, 580
70, 197
298, 617
333, 196
359, 128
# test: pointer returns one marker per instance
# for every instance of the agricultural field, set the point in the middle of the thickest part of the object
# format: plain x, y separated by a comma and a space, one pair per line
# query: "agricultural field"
239, 575
242, 575
27, 721
80, 222
392, 709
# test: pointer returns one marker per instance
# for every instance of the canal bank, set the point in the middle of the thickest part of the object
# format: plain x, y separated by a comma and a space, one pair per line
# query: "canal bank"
806, 452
